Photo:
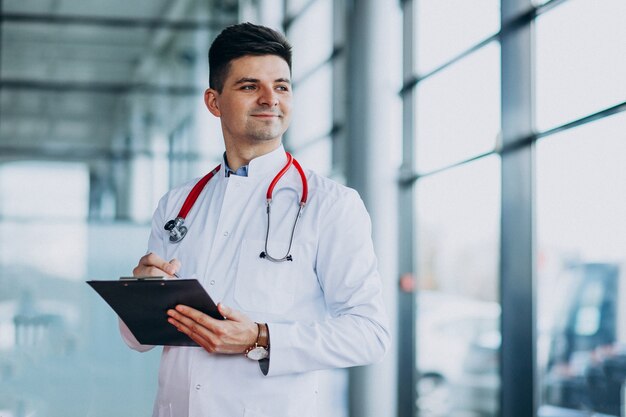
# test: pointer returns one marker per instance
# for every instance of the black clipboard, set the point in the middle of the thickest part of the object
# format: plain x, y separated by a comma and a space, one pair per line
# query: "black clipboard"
142, 304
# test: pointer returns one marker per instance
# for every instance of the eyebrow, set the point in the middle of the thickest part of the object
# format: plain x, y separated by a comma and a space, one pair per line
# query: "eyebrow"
256, 80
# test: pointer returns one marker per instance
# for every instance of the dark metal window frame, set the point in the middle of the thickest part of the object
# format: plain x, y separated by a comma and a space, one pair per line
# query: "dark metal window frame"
519, 389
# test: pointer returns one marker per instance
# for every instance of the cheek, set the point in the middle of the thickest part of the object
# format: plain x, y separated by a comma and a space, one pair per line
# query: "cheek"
286, 107
233, 112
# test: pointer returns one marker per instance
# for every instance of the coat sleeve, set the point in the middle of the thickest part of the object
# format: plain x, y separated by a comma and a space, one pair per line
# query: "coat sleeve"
356, 331
156, 245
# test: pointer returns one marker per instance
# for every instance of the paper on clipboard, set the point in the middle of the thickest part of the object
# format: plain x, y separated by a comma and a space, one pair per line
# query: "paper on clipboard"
142, 304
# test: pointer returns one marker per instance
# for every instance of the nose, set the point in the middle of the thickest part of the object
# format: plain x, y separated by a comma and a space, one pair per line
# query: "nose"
268, 97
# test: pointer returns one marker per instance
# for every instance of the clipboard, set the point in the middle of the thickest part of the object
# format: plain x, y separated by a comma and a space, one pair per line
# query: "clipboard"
142, 304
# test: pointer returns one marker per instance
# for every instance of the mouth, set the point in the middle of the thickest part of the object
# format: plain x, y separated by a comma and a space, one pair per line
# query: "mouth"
265, 115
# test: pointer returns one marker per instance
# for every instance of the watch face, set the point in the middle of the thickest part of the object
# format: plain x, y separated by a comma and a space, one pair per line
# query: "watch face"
257, 353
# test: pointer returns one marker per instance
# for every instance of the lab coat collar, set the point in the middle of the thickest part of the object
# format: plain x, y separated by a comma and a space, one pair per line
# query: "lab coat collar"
270, 163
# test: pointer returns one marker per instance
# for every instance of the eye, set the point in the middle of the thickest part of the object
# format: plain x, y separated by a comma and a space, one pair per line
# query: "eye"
282, 88
248, 87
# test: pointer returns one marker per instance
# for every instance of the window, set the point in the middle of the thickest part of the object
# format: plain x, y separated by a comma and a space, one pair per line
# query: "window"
580, 60
313, 104
556, 133
91, 93
310, 51
446, 28
311, 133
457, 119
581, 201
458, 314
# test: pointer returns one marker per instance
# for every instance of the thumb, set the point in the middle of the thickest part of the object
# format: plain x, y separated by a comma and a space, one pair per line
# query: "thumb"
172, 266
229, 313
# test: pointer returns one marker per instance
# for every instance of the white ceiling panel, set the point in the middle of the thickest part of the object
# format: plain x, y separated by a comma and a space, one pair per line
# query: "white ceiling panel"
68, 67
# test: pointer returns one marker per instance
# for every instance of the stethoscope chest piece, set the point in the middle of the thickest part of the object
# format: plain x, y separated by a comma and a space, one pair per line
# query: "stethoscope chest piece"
176, 229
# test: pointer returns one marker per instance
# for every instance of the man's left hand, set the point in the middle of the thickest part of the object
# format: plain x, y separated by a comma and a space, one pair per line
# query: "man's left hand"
231, 336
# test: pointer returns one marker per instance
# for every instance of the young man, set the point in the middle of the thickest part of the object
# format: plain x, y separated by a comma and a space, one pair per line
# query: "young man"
293, 307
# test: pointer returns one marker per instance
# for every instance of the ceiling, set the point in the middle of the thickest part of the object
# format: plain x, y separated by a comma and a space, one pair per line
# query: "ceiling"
69, 69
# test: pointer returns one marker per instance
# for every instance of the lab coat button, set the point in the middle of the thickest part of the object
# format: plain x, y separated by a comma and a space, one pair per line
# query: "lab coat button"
212, 282
225, 234
198, 387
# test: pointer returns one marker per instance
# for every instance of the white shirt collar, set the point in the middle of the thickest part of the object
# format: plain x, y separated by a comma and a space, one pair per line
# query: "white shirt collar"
263, 165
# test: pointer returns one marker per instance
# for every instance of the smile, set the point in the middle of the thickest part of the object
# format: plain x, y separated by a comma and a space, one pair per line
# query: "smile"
266, 115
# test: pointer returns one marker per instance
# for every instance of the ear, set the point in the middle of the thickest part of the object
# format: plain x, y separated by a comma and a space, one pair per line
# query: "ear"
210, 100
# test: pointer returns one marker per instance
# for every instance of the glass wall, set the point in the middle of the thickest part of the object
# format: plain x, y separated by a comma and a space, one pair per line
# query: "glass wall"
101, 112
59, 341
458, 313
457, 119
581, 260
581, 178
580, 65
456, 91
310, 136
559, 127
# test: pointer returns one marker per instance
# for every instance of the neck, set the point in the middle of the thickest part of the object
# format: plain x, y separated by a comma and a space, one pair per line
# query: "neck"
239, 155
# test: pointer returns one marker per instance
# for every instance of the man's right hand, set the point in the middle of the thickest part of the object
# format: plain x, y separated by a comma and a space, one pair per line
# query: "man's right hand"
151, 265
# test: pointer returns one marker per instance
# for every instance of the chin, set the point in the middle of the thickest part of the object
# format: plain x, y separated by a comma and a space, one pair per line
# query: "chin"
265, 136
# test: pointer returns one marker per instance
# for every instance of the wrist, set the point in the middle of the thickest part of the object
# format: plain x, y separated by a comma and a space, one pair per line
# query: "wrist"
260, 349
263, 336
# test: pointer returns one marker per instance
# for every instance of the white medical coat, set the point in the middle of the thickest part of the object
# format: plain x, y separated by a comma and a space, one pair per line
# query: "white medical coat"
324, 310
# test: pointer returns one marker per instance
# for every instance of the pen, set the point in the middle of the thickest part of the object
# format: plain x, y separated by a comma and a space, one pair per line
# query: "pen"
176, 275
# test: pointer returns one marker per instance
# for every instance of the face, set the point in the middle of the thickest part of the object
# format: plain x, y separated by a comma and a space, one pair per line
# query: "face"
255, 104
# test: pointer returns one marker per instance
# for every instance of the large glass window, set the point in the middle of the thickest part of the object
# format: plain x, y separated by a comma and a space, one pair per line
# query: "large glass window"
310, 51
313, 106
581, 230
458, 314
318, 154
563, 66
314, 74
446, 28
458, 110
100, 103
59, 341
580, 60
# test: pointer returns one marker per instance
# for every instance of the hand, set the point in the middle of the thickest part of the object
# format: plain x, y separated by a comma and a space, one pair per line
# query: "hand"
151, 265
230, 336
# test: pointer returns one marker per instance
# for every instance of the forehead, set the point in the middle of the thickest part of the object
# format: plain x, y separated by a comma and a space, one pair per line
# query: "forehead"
263, 67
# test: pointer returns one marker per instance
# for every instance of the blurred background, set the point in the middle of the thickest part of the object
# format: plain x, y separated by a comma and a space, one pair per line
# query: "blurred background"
487, 139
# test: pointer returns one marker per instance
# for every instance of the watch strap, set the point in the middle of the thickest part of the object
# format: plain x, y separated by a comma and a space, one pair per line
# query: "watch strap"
263, 339
260, 349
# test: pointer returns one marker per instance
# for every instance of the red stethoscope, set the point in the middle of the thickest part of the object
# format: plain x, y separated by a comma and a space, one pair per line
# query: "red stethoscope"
178, 231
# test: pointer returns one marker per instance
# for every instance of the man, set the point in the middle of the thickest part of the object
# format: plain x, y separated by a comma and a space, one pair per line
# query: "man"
287, 321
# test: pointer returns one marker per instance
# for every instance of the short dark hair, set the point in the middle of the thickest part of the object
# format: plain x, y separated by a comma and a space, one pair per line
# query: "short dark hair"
240, 40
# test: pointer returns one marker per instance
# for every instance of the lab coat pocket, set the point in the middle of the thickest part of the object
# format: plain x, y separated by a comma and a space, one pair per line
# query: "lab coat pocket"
263, 285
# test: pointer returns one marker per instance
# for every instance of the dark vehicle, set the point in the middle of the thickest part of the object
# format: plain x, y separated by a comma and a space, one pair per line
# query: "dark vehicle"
586, 367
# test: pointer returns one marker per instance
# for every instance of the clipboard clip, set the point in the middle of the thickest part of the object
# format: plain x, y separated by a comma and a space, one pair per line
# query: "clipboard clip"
146, 278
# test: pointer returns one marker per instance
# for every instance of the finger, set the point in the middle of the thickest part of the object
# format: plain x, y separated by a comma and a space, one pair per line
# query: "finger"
148, 262
230, 313
147, 271
188, 325
151, 259
224, 311
175, 266
196, 319
163, 265
200, 339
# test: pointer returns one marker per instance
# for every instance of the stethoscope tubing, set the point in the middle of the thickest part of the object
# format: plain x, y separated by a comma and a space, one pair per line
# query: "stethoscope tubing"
178, 231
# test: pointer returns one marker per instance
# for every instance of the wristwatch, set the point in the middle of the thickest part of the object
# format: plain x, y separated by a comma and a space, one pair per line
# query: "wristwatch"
261, 348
